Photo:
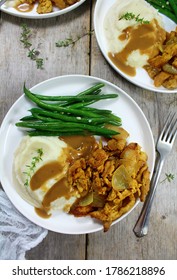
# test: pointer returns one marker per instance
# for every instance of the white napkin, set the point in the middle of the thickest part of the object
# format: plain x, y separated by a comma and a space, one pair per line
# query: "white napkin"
17, 234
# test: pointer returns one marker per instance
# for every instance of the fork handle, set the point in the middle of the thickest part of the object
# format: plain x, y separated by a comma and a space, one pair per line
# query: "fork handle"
141, 226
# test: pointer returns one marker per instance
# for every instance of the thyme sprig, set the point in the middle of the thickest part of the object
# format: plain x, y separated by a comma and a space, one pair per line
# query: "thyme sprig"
70, 41
169, 177
129, 16
31, 168
33, 53
25, 35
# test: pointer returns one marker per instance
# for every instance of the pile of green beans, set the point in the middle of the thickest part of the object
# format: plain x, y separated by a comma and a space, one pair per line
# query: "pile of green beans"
168, 8
69, 115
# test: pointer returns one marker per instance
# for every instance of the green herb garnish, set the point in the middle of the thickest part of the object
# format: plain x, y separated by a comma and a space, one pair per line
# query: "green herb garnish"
26, 33
32, 166
129, 16
70, 41
169, 177
33, 54
65, 43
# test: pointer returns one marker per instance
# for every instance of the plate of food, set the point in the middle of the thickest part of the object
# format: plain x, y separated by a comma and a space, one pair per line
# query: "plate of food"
39, 9
138, 42
77, 154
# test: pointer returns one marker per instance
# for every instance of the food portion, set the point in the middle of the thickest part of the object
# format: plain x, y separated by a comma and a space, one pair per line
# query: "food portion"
133, 31
162, 68
110, 180
70, 115
136, 38
168, 8
82, 176
40, 168
61, 167
43, 6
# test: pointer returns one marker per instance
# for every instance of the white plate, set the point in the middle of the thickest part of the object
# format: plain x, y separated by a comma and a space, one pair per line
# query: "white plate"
34, 15
133, 121
141, 79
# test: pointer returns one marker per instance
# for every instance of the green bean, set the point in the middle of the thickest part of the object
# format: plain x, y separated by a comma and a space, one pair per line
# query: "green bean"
99, 111
79, 105
28, 118
69, 103
83, 106
71, 116
163, 8
174, 6
48, 126
95, 110
104, 112
82, 103
51, 107
91, 89
67, 118
41, 126
42, 118
161, 3
58, 115
72, 98
69, 99
166, 13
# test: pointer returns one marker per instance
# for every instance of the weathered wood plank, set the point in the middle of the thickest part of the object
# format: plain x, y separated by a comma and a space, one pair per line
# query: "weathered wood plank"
16, 67
120, 242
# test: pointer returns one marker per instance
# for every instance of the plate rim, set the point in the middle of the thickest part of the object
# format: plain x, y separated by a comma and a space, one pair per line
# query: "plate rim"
117, 70
5, 9
91, 78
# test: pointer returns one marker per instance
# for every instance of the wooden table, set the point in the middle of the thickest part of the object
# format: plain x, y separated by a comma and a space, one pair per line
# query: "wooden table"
85, 58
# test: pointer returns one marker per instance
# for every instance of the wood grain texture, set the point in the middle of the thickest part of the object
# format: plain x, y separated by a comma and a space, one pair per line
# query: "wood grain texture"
85, 58
120, 242
16, 67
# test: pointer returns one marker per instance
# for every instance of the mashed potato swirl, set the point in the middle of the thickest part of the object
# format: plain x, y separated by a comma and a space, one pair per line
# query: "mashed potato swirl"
115, 27
52, 152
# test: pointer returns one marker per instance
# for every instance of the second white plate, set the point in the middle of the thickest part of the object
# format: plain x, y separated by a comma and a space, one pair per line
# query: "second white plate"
141, 79
34, 15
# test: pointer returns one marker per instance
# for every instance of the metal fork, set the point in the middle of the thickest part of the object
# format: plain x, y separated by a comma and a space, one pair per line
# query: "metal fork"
2, 2
164, 147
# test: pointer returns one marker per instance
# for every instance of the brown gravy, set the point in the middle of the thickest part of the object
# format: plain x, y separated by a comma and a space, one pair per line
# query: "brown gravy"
59, 189
78, 146
45, 173
141, 38
24, 7
42, 213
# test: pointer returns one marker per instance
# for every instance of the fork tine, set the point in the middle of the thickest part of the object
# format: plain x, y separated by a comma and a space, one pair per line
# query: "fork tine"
168, 133
165, 131
173, 132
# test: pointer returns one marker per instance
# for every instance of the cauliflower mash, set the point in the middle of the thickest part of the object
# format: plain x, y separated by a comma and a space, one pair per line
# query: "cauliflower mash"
131, 42
40, 168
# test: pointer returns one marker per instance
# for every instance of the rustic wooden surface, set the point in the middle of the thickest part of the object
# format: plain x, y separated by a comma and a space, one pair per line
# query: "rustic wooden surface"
85, 58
